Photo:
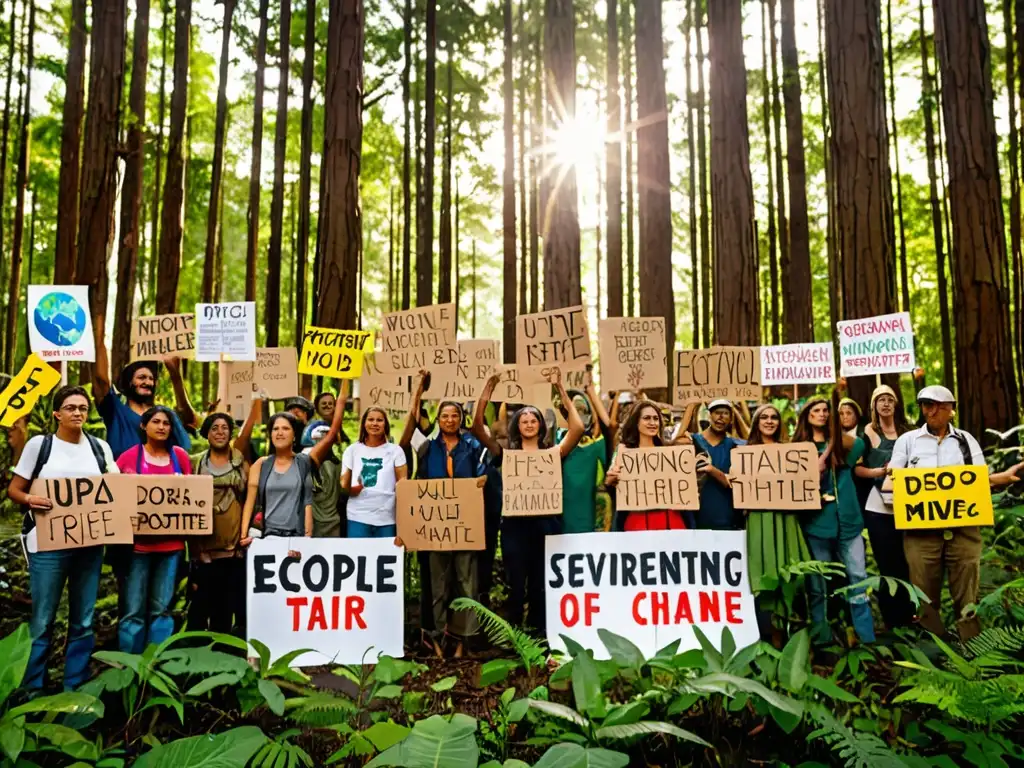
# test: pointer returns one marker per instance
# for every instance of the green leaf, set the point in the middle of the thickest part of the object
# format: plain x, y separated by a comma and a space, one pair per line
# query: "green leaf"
283, 666
119, 659
711, 654
616, 732
794, 667
728, 644
264, 654
388, 692
558, 710
435, 742
273, 696
576, 756
202, 661
624, 714
622, 650
66, 703
586, 683
787, 721
691, 659
207, 684
496, 671
517, 710
445, 684
729, 684
12, 736
225, 750
68, 740
14, 652
386, 734
831, 689
413, 702
166, 701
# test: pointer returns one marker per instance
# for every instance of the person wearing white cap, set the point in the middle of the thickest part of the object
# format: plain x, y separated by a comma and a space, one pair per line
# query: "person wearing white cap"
957, 550
716, 508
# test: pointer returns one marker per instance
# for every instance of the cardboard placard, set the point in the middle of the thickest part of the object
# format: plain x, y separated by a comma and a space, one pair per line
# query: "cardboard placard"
389, 391
226, 331
276, 372
883, 344
333, 353
417, 338
60, 322
556, 337
703, 375
798, 364
512, 389
651, 587
440, 515
777, 477
172, 505
657, 478
532, 482
34, 380
86, 512
633, 353
465, 380
343, 598
160, 336
946, 497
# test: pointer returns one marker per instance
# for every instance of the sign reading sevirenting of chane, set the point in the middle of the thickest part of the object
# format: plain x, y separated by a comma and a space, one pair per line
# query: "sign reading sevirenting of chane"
797, 364
883, 344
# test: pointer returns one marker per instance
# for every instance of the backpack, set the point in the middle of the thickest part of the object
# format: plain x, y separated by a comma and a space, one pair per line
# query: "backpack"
965, 448
261, 492
28, 521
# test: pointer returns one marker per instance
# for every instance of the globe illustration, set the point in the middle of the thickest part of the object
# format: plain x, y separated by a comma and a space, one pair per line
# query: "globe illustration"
60, 319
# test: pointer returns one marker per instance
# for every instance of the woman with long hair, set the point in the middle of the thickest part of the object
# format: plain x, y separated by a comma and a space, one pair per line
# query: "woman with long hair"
152, 571
370, 470
522, 538
834, 533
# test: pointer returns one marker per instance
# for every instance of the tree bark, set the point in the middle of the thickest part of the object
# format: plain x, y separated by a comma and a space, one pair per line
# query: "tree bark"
732, 196
12, 36
391, 249
613, 163
780, 188
158, 165
627, 137
272, 303
691, 178
537, 141
343, 134
772, 321
904, 276
508, 196
406, 158
832, 253
444, 264
252, 246
65, 254
305, 173
1018, 252
702, 175
425, 262
984, 356
523, 54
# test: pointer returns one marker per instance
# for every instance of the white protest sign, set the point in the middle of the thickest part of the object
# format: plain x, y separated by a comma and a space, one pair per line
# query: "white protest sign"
60, 323
343, 598
883, 344
797, 364
651, 587
226, 331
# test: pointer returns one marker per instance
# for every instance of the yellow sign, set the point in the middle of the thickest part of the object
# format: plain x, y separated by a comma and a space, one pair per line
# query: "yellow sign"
333, 353
945, 497
35, 380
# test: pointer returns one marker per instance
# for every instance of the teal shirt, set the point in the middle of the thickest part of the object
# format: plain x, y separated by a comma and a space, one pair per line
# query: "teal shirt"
840, 519
579, 485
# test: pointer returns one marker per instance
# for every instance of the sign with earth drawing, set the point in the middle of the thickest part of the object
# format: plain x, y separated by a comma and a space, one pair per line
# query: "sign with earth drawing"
59, 323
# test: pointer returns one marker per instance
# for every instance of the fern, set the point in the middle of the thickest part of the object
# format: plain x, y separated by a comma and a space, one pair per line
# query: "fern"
279, 753
502, 634
995, 702
997, 640
858, 750
320, 710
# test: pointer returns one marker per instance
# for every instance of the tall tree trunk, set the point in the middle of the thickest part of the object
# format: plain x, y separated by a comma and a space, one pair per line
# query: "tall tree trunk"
691, 179
796, 279
1018, 252
904, 277
252, 246
627, 136
132, 223
391, 250
406, 157
655, 183
613, 163
305, 172
1015, 212
458, 270
444, 266
597, 238
273, 298
537, 141
780, 189
772, 321
421, 238
732, 195
473, 326
425, 263
835, 283
343, 135
158, 165
984, 355
523, 54
508, 197
174, 184
702, 175
12, 37
65, 254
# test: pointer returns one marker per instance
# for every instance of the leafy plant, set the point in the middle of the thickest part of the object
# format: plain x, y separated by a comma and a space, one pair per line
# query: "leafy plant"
434, 742
233, 747
532, 653
279, 752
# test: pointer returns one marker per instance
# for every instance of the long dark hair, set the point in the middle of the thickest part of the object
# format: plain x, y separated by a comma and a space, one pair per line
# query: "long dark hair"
515, 440
296, 431
362, 423
631, 429
755, 437
148, 417
840, 444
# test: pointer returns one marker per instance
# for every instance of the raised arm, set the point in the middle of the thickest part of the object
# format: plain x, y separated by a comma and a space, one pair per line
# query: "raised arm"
479, 430
600, 413
242, 441
101, 368
412, 420
250, 500
319, 451
575, 431
181, 401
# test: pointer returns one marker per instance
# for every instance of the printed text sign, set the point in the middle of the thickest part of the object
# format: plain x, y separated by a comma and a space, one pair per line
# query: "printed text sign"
417, 338
945, 497
178, 505
333, 353
532, 482
226, 331
160, 336
443, 515
657, 478
733, 373
34, 380
556, 337
776, 477
632, 353
86, 512
797, 364
651, 587
883, 344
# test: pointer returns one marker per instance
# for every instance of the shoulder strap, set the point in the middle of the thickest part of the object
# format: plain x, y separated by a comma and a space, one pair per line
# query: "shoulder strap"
97, 452
261, 492
965, 448
43, 457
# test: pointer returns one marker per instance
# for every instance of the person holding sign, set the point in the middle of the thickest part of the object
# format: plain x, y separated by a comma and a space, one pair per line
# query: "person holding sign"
328, 500
522, 538
716, 508
834, 533
370, 470
67, 452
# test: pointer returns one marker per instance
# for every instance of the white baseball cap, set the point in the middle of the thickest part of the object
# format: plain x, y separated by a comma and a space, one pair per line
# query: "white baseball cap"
720, 403
937, 394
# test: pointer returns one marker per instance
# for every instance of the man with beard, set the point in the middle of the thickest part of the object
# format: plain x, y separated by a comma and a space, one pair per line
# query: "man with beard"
716, 509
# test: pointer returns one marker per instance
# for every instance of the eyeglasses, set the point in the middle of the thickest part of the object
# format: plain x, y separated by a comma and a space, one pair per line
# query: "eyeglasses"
75, 408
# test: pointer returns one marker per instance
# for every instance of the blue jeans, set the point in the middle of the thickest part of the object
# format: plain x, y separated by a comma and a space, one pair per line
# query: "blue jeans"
148, 592
366, 531
47, 572
849, 552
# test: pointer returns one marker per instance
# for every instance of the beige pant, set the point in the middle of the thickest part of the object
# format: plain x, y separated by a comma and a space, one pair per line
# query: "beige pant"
929, 554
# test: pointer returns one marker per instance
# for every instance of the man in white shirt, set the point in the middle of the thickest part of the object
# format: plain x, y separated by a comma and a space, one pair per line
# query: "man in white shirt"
958, 550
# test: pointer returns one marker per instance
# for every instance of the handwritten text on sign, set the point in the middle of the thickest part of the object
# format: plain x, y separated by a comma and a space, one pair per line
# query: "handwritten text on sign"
733, 373
657, 478
633, 353
333, 353
34, 380
776, 477
86, 512
946, 497
651, 587
341, 597
226, 331
797, 364
386, 390
160, 336
181, 505
532, 482
883, 344
556, 337
464, 380
443, 515
417, 338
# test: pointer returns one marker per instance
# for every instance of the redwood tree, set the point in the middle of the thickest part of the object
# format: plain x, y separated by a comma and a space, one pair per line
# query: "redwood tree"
305, 172
64, 255
508, 198
272, 304
252, 243
613, 164
425, 262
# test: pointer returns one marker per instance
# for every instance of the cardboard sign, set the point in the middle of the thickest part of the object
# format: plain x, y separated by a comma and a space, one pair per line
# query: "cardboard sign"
86, 512
337, 354
946, 497
60, 322
512, 389
702, 375
341, 597
226, 331
798, 364
34, 380
234, 388
883, 344
556, 337
389, 391
657, 478
440, 515
532, 482
160, 336
417, 338
173, 505
632, 353
651, 587
276, 373
463, 381
776, 477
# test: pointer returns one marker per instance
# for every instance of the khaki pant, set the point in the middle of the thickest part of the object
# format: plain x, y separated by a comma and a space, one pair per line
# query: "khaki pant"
453, 574
929, 554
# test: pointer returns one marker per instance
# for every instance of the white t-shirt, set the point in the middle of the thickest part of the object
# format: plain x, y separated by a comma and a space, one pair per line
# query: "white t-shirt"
374, 469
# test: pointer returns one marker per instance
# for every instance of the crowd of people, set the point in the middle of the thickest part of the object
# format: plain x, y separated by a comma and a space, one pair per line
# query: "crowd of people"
306, 482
